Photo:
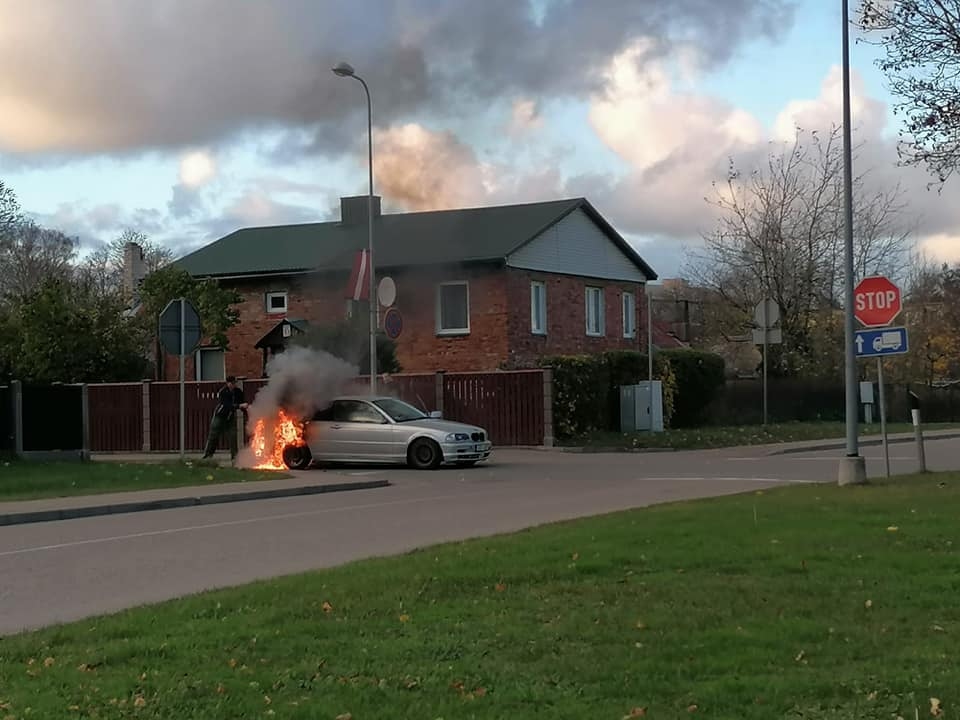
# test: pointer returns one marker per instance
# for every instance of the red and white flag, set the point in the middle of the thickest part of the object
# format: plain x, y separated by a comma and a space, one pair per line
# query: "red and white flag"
359, 285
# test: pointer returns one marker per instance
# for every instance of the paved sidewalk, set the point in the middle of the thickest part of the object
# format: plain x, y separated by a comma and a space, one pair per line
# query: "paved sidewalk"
66, 508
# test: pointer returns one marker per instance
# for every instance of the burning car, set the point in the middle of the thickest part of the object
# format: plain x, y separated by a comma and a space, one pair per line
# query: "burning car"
368, 429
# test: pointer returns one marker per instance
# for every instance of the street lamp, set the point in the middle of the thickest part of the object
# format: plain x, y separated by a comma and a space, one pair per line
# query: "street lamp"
853, 466
346, 70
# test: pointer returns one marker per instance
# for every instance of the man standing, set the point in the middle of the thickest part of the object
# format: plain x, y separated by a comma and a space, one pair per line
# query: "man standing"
229, 400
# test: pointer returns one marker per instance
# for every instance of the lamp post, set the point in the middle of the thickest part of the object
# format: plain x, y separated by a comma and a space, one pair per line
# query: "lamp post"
853, 466
346, 70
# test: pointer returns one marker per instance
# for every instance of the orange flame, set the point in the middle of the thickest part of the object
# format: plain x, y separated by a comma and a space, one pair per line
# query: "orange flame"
269, 440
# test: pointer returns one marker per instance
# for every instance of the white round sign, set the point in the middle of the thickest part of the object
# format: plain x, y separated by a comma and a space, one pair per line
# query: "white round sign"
387, 292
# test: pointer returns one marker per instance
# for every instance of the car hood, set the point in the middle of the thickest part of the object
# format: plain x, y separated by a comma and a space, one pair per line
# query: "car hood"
444, 426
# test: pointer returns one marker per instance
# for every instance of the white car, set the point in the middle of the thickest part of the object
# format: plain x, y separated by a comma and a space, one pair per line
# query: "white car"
366, 429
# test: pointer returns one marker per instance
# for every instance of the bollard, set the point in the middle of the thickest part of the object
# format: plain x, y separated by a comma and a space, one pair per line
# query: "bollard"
918, 431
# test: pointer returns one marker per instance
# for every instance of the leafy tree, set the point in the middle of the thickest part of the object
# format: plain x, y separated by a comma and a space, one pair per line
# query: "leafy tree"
921, 40
214, 304
780, 236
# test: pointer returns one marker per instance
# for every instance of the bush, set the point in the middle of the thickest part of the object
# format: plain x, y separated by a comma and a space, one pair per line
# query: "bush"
699, 377
586, 395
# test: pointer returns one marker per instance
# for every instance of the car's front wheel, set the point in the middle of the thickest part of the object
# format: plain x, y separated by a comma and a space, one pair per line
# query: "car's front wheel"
297, 457
424, 454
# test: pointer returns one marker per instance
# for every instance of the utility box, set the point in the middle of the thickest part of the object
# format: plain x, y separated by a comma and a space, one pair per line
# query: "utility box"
641, 407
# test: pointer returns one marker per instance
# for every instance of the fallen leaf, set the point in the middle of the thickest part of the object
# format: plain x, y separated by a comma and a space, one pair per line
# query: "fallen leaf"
868, 604
232, 663
500, 587
49, 662
799, 656
221, 690
327, 607
575, 557
139, 701
404, 618
892, 528
938, 628
872, 696
635, 713
480, 692
345, 716
935, 708
267, 700
641, 625
209, 478
691, 708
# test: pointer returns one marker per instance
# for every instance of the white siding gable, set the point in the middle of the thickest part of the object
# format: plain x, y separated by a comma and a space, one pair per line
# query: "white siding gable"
576, 246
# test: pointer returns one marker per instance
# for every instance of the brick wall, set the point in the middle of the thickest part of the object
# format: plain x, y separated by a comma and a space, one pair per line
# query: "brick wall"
566, 317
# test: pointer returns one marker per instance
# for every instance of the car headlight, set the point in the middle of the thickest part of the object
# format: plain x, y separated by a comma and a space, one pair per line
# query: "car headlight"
457, 437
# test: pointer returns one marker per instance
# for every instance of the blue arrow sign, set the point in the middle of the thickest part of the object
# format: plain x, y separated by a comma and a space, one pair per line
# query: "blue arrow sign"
881, 341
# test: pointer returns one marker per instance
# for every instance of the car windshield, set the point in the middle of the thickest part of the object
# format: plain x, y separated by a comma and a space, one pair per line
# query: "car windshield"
398, 410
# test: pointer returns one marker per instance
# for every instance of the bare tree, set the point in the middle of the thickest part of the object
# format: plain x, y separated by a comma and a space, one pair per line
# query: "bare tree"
105, 264
921, 40
780, 236
29, 254
9, 208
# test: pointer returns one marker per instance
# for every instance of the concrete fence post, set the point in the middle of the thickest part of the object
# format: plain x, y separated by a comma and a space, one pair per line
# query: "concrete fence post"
17, 388
438, 389
548, 438
85, 413
146, 415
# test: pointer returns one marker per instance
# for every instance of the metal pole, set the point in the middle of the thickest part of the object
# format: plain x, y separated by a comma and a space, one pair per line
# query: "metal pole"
883, 417
183, 344
646, 289
853, 470
373, 292
765, 345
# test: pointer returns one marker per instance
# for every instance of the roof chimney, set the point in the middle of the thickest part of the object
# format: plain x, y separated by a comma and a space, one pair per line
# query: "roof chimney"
134, 270
353, 210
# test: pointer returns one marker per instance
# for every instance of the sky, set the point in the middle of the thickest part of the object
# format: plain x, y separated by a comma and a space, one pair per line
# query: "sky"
188, 119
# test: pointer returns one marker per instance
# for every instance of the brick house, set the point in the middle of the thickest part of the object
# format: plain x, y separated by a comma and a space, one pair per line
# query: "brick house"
477, 289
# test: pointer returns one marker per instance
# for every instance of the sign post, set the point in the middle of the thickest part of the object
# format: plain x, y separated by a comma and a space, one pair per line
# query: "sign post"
180, 333
766, 315
877, 302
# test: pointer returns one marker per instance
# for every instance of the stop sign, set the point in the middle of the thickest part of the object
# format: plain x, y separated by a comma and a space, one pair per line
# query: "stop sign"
876, 301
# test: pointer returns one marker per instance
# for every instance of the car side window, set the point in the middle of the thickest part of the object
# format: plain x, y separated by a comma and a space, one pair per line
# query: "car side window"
324, 415
355, 412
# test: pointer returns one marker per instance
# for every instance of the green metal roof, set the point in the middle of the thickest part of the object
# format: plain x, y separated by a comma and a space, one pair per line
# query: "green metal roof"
400, 240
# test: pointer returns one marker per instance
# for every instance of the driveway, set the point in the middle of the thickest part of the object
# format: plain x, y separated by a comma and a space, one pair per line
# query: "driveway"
61, 571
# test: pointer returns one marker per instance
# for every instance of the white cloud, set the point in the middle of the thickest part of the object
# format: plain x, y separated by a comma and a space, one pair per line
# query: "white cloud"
943, 248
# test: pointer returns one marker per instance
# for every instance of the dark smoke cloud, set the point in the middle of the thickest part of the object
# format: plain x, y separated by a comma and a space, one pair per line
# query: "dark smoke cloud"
130, 76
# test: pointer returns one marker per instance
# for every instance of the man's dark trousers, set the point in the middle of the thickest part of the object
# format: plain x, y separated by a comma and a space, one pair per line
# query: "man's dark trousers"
218, 426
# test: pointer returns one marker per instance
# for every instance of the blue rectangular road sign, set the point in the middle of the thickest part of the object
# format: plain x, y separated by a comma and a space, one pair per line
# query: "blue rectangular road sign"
881, 341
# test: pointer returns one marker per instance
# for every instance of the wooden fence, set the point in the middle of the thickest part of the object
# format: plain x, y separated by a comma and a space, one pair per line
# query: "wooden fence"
514, 407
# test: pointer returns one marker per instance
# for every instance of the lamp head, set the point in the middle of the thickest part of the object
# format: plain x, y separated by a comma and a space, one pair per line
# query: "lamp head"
343, 69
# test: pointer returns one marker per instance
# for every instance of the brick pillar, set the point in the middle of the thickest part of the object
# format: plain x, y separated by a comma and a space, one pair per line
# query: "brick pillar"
438, 390
146, 415
548, 440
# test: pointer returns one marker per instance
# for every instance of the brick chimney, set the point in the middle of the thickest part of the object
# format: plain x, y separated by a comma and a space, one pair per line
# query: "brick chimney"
353, 210
134, 270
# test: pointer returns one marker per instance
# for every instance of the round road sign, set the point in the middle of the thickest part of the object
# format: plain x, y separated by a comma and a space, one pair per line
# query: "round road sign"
393, 323
387, 292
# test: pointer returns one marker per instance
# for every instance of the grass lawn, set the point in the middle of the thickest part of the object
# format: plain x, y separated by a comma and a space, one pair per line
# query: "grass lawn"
33, 480
716, 437
806, 602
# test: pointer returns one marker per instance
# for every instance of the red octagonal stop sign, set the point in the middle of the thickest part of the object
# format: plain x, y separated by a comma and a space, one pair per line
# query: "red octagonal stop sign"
876, 301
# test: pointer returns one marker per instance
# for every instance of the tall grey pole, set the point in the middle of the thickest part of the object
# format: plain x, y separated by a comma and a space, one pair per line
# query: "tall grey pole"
765, 323
183, 344
883, 416
646, 289
373, 285
852, 469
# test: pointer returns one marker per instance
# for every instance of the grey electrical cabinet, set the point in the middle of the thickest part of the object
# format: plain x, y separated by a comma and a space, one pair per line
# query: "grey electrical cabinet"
641, 407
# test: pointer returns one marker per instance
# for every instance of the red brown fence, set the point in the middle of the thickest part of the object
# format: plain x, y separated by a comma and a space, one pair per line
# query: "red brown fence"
509, 405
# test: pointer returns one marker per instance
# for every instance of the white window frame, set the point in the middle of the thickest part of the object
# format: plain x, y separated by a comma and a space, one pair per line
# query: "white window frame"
198, 363
275, 294
452, 331
535, 306
629, 314
600, 295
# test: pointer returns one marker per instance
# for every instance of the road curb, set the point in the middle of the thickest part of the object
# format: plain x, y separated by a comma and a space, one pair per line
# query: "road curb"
872, 442
38, 516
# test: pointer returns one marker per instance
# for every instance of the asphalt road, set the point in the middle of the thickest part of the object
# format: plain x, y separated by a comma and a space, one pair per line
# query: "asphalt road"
68, 570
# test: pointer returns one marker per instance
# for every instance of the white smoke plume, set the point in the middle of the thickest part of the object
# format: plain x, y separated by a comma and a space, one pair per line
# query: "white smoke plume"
301, 381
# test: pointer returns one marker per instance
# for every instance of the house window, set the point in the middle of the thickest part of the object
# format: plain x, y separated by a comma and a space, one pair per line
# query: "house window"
276, 303
210, 364
453, 308
595, 312
538, 308
629, 315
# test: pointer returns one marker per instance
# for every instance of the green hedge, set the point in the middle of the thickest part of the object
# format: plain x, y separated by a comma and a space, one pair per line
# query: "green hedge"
700, 377
586, 394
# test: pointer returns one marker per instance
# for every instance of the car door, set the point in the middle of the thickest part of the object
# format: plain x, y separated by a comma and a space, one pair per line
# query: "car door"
360, 432
319, 435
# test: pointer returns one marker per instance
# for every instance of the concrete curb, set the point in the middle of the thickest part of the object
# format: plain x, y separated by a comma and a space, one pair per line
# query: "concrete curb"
864, 442
37, 516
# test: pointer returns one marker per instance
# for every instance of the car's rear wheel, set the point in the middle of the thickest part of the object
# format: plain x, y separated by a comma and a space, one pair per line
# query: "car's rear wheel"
297, 457
424, 454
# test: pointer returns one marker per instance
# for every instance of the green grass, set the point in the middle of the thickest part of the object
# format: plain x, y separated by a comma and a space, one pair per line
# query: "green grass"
717, 437
803, 602
35, 480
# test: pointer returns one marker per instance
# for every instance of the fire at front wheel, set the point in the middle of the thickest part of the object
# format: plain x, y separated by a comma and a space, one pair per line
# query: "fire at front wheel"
297, 457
